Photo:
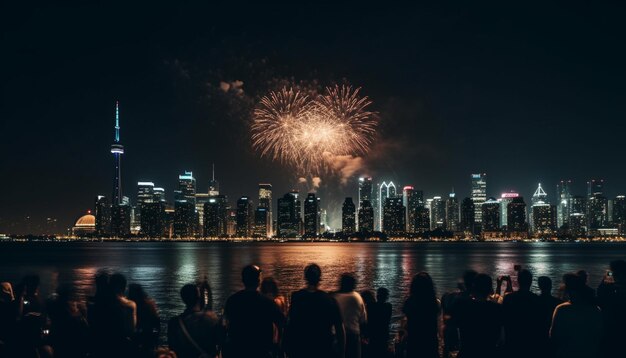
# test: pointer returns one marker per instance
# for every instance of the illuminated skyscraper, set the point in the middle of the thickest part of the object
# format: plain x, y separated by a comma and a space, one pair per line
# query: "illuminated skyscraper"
184, 219
159, 195
186, 188
505, 200
452, 213
145, 192
348, 216
411, 199
437, 213
490, 215
153, 220
479, 195
311, 216
597, 206
516, 215
288, 220
117, 149
366, 217
245, 217
385, 190
422, 219
564, 197
216, 216
102, 213
619, 213
468, 221
365, 190
394, 216
265, 202
544, 218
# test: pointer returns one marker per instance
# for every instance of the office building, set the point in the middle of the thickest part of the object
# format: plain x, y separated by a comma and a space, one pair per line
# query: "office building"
437, 213
544, 219
186, 188
184, 219
411, 199
153, 219
288, 220
245, 217
366, 217
102, 216
490, 216
365, 190
120, 220
216, 217
311, 216
348, 217
265, 202
516, 215
467, 222
479, 195
619, 213
385, 190
394, 216
564, 197
261, 223
452, 213
505, 200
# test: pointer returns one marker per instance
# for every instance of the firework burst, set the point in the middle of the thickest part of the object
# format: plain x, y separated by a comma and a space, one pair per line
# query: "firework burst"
307, 132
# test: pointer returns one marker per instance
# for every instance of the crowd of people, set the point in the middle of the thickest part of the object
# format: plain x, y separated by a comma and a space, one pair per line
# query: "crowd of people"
121, 320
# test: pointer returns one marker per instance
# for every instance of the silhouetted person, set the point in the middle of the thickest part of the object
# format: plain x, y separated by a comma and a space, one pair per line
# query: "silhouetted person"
112, 317
8, 318
148, 325
584, 277
378, 321
612, 301
29, 332
353, 313
195, 332
314, 321
547, 304
28, 295
269, 288
448, 304
250, 318
479, 321
422, 312
369, 299
521, 319
69, 333
577, 324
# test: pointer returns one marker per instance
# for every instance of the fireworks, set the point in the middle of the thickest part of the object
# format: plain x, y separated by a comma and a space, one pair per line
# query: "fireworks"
306, 132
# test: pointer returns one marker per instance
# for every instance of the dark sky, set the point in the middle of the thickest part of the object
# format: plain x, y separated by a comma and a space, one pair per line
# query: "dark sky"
524, 93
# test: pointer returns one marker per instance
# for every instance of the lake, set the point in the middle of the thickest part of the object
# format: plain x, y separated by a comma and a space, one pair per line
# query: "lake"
164, 267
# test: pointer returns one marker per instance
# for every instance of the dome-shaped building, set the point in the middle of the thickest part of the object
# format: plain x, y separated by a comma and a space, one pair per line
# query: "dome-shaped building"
85, 225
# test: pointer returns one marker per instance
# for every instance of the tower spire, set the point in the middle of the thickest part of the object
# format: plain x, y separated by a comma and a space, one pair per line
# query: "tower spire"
117, 121
213, 177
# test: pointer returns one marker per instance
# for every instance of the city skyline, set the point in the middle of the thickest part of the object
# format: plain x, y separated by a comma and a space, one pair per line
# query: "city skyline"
511, 92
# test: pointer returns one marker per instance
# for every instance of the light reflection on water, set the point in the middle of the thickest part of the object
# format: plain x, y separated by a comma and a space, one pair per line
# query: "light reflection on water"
162, 268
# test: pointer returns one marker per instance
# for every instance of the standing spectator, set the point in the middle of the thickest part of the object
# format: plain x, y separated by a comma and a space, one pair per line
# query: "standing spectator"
612, 301
479, 321
250, 319
68, 324
422, 311
547, 304
148, 322
353, 313
521, 319
577, 324
448, 303
195, 332
269, 288
379, 319
314, 321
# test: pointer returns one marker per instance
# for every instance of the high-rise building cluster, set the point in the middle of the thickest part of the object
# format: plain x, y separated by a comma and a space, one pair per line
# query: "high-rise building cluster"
382, 209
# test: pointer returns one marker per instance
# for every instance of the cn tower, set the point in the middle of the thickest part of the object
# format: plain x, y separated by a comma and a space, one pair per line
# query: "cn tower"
117, 149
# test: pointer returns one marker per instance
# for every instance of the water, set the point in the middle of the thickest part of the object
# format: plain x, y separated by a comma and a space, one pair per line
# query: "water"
163, 268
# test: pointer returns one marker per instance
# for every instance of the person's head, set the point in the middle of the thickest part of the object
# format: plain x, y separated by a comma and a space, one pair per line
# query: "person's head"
618, 267
583, 275
524, 280
136, 293
117, 283
382, 294
483, 286
574, 289
269, 287
6, 292
468, 279
347, 282
545, 285
190, 294
369, 297
251, 277
312, 274
422, 287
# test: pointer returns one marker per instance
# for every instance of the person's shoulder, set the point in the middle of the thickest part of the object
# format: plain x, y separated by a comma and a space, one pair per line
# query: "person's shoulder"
128, 303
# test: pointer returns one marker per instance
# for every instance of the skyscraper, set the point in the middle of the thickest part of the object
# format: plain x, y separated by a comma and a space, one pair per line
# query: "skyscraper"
261, 223
468, 212
102, 213
117, 149
490, 215
216, 216
184, 219
288, 220
145, 194
394, 216
411, 199
544, 218
385, 190
365, 189
516, 215
479, 195
619, 213
214, 185
437, 213
120, 220
186, 188
265, 202
311, 216
245, 217
348, 216
564, 197
153, 221
452, 213
422, 219
366, 217
505, 200
597, 206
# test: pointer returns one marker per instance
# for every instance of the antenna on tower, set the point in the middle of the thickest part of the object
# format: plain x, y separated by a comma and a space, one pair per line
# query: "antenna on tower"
117, 121
213, 177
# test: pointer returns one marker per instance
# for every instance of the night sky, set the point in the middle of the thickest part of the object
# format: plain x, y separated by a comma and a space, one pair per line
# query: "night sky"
524, 93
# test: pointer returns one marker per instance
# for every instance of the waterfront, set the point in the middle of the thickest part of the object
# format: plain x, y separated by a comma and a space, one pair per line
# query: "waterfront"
162, 268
